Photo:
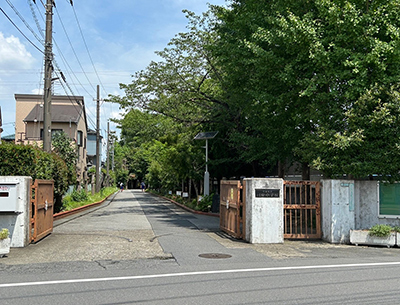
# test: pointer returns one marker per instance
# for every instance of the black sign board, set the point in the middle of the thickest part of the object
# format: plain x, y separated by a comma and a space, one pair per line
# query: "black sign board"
267, 193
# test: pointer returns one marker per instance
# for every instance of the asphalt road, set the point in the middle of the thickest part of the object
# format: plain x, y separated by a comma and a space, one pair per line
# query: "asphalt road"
141, 249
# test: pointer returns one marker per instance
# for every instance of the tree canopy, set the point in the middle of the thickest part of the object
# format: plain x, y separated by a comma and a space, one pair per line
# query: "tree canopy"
314, 82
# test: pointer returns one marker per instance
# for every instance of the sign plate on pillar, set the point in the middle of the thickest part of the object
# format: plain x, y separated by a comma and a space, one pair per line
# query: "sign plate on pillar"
267, 193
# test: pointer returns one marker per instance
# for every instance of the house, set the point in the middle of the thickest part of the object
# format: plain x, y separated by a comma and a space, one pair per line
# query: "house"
68, 114
91, 147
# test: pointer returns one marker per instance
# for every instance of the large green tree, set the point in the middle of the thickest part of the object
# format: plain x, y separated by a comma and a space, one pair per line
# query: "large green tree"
315, 72
187, 86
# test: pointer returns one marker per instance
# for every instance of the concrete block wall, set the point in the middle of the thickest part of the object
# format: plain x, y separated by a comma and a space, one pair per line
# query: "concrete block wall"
17, 221
337, 210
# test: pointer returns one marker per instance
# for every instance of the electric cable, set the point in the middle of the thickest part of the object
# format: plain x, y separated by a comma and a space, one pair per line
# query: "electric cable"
5, 14
76, 56
87, 49
24, 21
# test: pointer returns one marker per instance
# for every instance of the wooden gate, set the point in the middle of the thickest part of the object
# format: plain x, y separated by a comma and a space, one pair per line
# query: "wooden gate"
302, 209
41, 209
232, 208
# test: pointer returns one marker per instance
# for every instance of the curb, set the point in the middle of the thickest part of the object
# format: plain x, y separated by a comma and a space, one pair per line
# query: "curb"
187, 208
61, 215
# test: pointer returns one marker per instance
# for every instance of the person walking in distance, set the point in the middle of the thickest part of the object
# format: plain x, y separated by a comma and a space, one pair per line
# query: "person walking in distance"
142, 186
121, 186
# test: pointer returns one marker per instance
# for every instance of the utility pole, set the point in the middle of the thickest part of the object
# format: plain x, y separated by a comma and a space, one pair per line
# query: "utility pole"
98, 165
112, 153
108, 153
48, 74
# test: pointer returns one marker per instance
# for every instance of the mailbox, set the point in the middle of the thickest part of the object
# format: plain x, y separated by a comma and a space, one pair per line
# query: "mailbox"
8, 196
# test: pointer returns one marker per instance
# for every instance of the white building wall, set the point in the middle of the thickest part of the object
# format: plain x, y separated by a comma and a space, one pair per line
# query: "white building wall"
367, 207
264, 215
16, 220
338, 210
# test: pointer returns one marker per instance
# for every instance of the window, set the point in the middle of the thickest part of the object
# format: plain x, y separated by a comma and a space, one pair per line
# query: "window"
80, 138
53, 131
389, 199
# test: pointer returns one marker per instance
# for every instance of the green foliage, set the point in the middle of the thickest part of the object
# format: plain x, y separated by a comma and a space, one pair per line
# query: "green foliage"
4, 234
27, 160
79, 195
205, 203
313, 82
67, 151
380, 230
396, 229
18, 160
83, 198
318, 77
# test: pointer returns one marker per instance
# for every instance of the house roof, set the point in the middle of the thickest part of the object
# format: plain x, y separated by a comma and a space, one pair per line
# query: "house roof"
10, 137
59, 113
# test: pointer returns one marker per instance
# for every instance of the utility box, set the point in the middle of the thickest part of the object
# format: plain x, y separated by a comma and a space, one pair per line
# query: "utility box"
8, 196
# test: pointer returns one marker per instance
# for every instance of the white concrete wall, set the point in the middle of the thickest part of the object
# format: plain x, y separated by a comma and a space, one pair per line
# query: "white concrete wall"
17, 222
264, 216
338, 210
367, 207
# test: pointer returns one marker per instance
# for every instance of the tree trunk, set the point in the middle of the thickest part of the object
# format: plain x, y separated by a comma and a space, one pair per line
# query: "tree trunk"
190, 189
281, 169
305, 174
196, 189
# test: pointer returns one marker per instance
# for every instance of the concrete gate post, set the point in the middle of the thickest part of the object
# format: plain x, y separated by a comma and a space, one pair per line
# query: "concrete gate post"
14, 208
264, 210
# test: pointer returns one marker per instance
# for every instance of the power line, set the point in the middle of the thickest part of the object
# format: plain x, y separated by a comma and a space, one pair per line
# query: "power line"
24, 21
5, 14
59, 50
87, 49
76, 56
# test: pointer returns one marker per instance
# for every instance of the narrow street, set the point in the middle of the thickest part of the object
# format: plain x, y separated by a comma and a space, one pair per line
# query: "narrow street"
139, 248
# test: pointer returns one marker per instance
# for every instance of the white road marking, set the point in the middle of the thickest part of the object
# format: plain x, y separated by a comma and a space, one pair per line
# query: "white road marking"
152, 276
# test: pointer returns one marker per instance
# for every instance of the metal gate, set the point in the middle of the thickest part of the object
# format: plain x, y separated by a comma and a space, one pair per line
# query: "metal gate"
302, 209
41, 209
232, 217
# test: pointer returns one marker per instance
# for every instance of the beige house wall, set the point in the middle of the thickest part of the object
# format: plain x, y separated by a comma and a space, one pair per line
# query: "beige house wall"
24, 105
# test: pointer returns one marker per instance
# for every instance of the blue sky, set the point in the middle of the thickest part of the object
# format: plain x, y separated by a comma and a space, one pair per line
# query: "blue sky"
121, 36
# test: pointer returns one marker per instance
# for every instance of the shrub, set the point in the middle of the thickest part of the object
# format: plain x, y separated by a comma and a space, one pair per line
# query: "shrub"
396, 229
79, 196
205, 203
4, 234
380, 230
28, 160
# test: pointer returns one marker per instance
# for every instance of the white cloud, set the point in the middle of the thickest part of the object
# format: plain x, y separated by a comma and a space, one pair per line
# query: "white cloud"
37, 91
13, 54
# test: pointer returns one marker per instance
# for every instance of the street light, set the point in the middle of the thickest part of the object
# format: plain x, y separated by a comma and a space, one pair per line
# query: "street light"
206, 136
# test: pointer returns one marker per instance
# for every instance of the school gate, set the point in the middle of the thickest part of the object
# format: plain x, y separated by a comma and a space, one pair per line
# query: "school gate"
301, 209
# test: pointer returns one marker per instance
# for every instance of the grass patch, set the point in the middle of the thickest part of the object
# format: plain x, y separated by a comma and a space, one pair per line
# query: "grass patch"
79, 199
203, 206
